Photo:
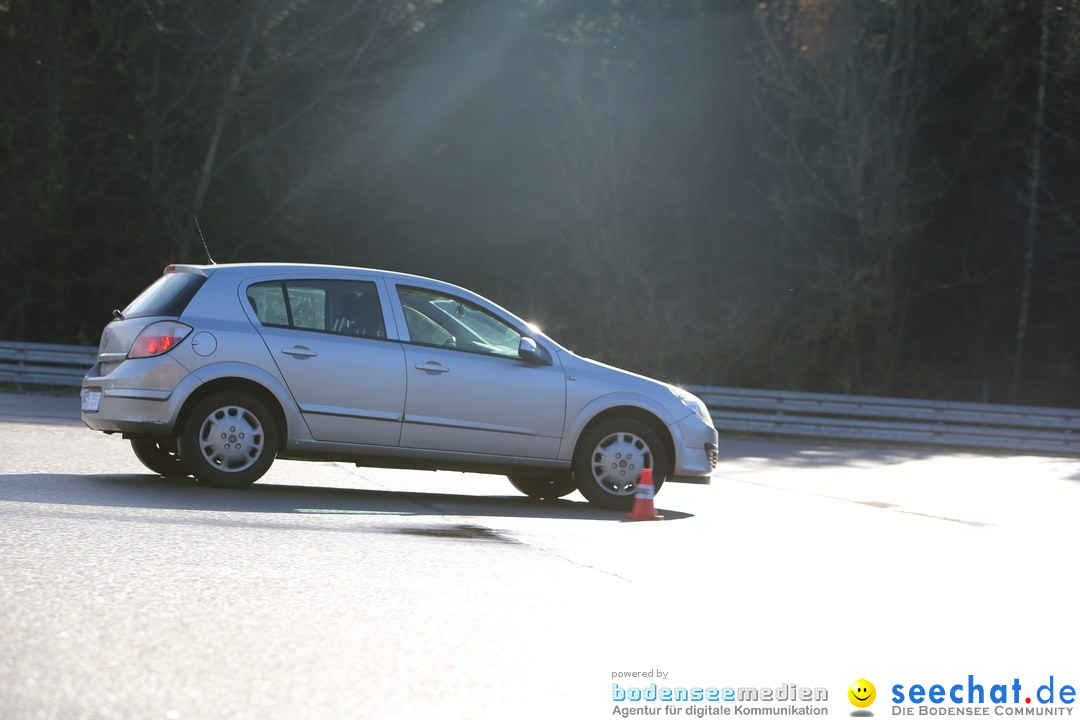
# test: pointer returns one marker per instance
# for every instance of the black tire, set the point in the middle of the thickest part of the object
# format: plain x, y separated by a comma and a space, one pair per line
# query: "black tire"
547, 486
160, 457
610, 457
229, 440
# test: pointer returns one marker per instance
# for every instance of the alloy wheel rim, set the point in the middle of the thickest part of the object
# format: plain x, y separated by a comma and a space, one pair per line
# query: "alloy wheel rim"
231, 439
617, 462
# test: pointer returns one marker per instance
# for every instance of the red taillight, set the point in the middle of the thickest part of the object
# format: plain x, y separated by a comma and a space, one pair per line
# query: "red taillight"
151, 346
158, 339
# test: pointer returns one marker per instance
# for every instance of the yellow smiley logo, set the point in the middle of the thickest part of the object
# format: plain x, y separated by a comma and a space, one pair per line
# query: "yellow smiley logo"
862, 693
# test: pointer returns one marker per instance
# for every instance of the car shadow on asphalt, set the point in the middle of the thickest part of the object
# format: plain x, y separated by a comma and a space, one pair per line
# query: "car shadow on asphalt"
158, 493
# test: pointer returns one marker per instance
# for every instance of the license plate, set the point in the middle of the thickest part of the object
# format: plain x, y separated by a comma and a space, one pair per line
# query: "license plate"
91, 400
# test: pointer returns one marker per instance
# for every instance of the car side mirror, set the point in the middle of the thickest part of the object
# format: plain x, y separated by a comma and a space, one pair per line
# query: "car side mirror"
529, 351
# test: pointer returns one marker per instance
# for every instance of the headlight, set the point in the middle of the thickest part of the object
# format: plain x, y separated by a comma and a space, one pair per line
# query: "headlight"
694, 403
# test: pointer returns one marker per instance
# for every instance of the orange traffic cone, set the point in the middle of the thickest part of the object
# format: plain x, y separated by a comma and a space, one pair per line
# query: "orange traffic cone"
643, 499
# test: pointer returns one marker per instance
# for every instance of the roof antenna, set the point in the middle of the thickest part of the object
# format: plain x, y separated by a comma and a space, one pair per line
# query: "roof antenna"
204, 242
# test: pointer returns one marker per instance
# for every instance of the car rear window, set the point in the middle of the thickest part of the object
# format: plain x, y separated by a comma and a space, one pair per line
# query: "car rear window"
168, 296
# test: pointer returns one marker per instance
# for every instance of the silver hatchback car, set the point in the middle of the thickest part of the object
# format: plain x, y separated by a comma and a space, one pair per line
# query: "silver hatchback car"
214, 371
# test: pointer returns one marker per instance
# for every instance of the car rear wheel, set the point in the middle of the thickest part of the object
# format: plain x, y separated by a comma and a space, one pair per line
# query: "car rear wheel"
549, 486
610, 457
229, 440
159, 457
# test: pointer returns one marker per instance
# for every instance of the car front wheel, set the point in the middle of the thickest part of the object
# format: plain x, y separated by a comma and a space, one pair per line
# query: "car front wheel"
159, 457
610, 457
229, 440
548, 486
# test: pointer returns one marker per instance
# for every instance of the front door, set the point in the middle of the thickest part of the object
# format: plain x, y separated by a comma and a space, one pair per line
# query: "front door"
469, 391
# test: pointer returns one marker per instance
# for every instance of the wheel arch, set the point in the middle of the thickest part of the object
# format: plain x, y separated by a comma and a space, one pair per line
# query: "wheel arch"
638, 413
225, 384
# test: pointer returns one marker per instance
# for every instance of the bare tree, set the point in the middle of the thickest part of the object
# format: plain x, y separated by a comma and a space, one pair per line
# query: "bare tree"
844, 98
124, 119
1034, 189
638, 144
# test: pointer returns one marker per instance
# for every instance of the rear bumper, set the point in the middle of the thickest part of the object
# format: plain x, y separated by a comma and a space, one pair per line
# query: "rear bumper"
138, 396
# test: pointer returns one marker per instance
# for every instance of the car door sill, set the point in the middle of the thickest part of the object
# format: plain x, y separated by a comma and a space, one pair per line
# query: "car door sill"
385, 456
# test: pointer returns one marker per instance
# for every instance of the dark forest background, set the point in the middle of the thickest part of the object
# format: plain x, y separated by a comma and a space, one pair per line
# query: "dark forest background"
867, 196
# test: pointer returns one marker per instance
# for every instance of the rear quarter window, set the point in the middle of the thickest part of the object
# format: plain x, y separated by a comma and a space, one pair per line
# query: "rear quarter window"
169, 295
268, 301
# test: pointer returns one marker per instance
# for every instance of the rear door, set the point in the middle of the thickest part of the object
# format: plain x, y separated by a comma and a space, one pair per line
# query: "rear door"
329, 339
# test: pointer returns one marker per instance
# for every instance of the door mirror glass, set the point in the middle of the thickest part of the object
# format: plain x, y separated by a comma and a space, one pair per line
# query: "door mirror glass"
528, 350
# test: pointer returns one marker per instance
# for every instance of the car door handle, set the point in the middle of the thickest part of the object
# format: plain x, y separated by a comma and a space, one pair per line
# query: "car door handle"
299, 351
432, 367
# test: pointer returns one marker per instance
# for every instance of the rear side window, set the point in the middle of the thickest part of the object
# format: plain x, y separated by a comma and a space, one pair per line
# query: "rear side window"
340, 307
308, 305
169, 295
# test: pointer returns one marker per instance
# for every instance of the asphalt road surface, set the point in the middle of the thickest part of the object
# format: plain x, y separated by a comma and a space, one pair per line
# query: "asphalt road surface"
330, 591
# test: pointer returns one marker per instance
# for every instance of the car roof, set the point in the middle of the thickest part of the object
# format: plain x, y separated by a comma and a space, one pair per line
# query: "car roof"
287, 267
271, 268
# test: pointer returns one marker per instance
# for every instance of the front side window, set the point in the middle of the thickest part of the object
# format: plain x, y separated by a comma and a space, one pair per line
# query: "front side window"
340, 307
446, 321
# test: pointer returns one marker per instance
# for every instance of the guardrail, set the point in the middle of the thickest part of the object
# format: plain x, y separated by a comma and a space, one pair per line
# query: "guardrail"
26, 364
736, 410
893, 420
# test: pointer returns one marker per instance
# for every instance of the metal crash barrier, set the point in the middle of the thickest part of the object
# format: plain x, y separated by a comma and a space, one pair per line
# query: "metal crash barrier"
892, 420
735, 410
39, 364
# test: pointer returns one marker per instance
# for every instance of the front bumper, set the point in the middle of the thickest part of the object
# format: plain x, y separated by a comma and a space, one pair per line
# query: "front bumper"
695, 452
